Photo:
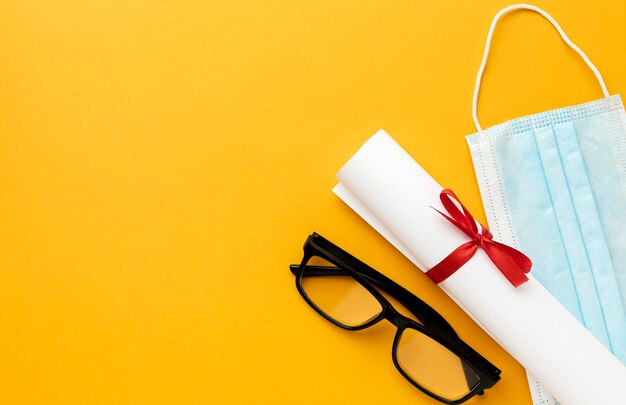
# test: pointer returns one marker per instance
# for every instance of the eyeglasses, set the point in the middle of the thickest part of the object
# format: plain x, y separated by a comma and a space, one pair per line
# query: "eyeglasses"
429, 354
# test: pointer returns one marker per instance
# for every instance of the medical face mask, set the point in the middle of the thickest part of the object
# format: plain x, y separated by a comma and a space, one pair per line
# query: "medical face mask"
554, 186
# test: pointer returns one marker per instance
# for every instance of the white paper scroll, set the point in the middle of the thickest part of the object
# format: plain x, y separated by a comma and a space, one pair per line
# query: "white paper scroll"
386, 187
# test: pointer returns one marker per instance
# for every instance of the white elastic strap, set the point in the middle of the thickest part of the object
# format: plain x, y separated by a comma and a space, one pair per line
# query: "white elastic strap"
556, 25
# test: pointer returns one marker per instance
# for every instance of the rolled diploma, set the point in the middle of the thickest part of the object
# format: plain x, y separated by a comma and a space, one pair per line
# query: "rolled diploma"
388, 189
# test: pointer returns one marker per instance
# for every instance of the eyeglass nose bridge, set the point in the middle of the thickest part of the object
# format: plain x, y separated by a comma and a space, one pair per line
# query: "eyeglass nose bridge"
396, 318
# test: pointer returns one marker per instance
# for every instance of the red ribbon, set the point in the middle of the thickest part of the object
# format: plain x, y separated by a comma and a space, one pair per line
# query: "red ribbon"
511, 262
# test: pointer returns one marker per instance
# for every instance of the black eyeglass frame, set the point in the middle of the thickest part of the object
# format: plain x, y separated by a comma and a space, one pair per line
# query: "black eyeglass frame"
433, 324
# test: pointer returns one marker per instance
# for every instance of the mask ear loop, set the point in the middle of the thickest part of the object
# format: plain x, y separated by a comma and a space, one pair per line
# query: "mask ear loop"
556, 25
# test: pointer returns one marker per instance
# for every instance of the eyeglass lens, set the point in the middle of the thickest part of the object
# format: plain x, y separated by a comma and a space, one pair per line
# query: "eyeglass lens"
434, 367
340, 297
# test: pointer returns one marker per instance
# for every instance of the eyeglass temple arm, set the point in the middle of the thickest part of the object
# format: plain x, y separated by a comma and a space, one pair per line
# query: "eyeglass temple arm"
427, 315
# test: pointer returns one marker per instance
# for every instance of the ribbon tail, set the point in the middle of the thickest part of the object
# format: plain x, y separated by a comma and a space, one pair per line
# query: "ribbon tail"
511, 262
452, 262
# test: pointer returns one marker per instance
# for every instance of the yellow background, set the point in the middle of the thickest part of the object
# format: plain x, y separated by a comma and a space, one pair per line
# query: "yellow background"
162, 163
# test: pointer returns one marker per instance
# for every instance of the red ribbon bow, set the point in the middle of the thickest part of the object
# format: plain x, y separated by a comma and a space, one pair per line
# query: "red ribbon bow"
511, 262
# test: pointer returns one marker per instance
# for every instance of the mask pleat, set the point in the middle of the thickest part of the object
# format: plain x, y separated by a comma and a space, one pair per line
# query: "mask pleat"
591, 265
537, 228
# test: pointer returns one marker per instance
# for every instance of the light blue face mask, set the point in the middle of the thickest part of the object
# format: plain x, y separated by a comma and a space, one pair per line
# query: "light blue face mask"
554, 185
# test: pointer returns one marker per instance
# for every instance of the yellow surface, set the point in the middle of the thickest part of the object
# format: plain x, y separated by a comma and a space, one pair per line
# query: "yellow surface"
162, 163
